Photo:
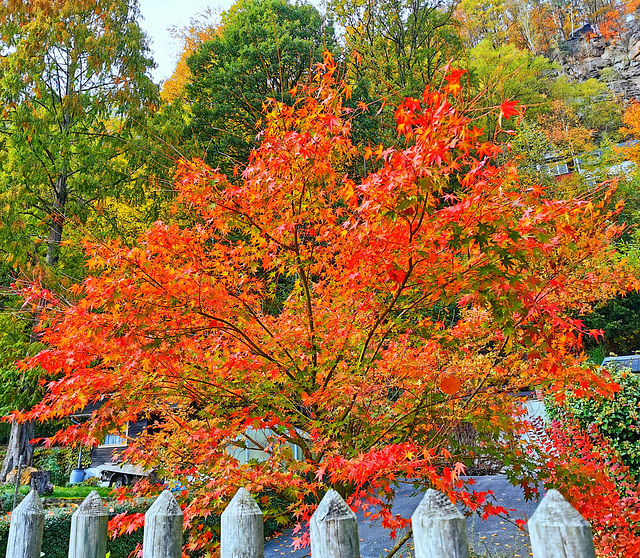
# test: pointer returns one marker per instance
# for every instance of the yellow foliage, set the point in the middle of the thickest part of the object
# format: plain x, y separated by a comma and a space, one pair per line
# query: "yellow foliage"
200, 30
173, 88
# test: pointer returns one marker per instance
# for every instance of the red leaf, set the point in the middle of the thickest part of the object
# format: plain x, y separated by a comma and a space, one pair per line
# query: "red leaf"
508, 109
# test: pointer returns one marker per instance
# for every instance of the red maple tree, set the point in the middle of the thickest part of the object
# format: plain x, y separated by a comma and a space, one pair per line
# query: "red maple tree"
359, 322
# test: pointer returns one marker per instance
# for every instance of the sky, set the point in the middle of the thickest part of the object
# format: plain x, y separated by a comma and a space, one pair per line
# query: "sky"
159, 16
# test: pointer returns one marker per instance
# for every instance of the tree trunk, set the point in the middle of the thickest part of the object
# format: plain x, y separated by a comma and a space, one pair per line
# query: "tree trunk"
57, 220
21, 434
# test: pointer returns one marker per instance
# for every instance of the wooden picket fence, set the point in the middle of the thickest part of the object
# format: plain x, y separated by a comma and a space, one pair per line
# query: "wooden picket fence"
439, 529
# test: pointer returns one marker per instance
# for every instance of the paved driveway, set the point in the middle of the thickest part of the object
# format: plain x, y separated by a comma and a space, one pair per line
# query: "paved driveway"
493, 537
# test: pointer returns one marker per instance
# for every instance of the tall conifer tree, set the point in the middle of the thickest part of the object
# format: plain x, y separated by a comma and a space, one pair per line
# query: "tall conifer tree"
74, 72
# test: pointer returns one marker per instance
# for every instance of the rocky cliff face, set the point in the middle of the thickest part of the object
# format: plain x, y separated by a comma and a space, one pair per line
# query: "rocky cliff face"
616, 62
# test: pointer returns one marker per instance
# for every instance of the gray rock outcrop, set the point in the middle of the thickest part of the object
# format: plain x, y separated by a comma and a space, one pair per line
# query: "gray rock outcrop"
614, 61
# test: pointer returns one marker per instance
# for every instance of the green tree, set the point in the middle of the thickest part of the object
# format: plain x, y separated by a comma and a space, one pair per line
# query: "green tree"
398, 44
530, 148
162, 138
483, 19
594, 104
500, 73
74, 73
619, 318
263, 49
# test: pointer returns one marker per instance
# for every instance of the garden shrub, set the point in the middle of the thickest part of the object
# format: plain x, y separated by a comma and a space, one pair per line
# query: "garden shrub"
6, 500
586, 469
616, 419
59, 461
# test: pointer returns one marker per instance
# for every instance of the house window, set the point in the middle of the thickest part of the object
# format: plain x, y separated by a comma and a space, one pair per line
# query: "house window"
115, 439
558, 168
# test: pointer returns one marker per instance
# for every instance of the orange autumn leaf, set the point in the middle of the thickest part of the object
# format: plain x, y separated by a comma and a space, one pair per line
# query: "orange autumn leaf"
453, 81
450, 385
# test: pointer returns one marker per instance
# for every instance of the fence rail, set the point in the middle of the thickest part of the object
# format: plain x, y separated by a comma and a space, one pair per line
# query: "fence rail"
439, 529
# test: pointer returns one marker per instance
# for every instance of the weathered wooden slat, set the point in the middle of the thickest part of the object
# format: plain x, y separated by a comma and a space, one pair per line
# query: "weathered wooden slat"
163, 528
334, 529
89, 529
439, 529
557, 530
27, 526
242, 528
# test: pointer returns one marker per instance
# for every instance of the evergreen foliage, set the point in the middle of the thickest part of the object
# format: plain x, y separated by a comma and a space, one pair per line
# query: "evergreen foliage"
262, 50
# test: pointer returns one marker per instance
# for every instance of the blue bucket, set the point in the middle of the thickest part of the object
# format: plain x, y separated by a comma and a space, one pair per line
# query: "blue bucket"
77, 476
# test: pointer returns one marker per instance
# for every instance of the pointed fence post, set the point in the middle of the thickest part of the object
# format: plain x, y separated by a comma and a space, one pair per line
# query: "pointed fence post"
27, 526
334, 529
439, 529
557, 529
89, 529
242, 528
163, 528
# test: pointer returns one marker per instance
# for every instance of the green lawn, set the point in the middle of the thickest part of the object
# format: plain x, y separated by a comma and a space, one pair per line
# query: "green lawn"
77, 491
